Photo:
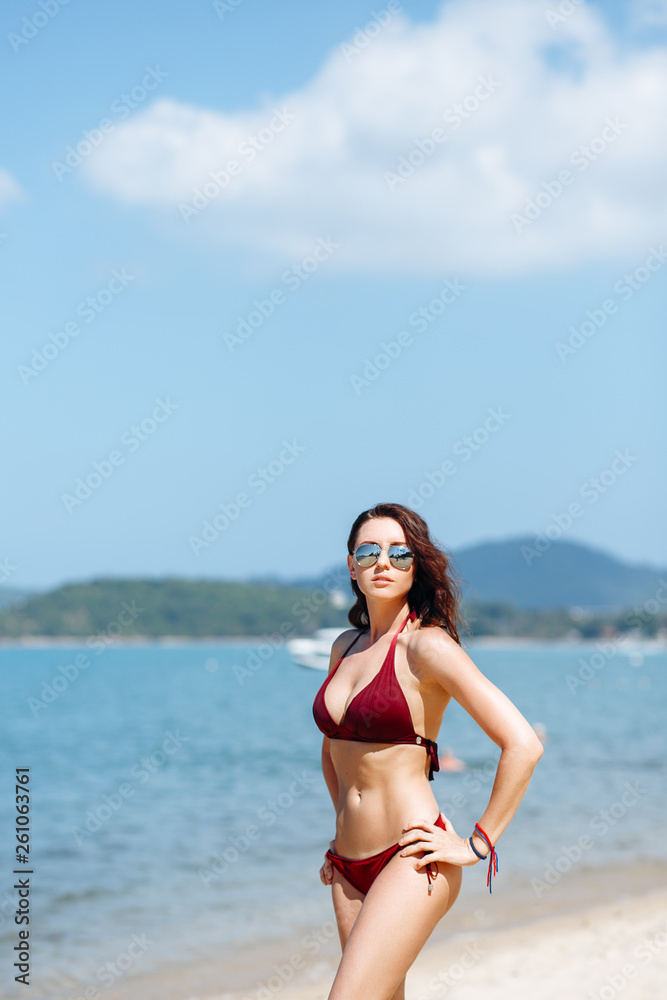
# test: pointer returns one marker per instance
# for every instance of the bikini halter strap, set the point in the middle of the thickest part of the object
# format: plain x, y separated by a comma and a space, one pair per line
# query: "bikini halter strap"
410, 617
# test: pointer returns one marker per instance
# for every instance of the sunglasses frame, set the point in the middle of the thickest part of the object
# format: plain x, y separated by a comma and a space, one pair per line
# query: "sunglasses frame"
387, 549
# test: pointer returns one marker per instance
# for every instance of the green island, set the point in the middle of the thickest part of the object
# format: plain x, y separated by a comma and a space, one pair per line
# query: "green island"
173, 607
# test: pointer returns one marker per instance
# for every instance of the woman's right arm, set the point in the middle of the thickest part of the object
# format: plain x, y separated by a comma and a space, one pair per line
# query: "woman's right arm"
326, 871
339, 646
329, 772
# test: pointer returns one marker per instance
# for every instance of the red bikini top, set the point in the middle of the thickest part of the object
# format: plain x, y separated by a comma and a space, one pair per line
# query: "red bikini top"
379, 713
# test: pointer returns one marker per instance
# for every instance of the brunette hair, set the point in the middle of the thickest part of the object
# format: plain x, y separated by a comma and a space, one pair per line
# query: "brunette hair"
436, 591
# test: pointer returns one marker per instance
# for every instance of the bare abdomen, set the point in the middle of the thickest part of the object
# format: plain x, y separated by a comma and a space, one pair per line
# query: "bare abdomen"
381, 788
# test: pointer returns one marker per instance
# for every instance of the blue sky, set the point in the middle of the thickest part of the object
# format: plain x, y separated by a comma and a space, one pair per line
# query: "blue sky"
302, 259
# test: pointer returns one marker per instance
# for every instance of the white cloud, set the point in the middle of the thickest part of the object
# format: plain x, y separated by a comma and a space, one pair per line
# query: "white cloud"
9, 189
649, 12
549, 90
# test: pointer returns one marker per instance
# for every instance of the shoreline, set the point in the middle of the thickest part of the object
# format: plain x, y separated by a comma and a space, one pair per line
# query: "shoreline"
643, 644
588, 928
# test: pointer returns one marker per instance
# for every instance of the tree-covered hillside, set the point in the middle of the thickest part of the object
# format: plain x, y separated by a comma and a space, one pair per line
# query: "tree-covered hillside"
200, 608
169, 607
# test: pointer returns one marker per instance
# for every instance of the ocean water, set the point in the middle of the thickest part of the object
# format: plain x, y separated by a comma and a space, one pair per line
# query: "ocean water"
179, 812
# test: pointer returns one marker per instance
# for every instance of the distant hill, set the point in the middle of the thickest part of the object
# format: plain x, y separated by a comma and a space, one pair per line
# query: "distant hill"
9, 596
570, 589
167, 607
566, 574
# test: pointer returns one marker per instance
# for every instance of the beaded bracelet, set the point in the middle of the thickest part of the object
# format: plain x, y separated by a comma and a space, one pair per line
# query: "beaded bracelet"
492, 856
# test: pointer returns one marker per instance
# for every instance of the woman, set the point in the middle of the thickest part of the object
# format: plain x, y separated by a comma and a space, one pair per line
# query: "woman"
395, 864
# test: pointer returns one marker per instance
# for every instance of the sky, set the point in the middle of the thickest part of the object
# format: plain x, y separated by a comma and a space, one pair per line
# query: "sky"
266, 265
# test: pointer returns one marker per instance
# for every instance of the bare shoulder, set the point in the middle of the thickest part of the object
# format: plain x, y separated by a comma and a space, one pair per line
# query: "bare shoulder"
340, 644
437, 659
435, 656
346, 637
431, 640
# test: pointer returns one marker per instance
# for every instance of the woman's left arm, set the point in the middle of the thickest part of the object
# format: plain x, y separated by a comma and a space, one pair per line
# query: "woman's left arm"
442, 661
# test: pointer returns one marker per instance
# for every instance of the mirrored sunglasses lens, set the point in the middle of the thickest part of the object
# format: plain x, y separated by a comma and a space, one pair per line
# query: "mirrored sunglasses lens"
400, 556
366, 555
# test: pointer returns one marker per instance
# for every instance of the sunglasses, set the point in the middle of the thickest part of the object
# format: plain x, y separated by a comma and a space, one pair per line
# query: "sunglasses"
368, 554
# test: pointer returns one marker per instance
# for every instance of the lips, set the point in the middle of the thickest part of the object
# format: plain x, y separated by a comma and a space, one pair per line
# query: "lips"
382, 579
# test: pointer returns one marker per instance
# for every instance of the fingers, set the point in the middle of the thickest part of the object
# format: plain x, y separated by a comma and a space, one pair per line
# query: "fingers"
423, 823
430, 855
421, 845
415, 830
326, 873
422, 862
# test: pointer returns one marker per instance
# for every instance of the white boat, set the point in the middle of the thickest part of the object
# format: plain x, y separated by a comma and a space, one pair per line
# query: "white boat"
314, 651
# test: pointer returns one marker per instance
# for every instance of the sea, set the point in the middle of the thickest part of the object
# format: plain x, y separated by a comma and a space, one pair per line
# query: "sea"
177, 811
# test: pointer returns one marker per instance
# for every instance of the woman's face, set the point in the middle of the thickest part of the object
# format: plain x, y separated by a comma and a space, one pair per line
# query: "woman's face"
372, 580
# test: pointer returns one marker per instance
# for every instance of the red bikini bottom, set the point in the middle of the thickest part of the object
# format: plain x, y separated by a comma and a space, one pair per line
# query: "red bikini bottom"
362, 872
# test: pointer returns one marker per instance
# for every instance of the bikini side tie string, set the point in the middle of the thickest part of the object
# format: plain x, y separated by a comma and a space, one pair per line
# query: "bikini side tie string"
432, 749
493, 857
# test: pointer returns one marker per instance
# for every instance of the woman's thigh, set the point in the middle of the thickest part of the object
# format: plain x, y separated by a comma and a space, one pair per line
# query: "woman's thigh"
347, 902
390, 928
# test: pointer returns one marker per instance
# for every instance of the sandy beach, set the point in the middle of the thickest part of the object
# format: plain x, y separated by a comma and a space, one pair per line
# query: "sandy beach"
510, 947
602, 951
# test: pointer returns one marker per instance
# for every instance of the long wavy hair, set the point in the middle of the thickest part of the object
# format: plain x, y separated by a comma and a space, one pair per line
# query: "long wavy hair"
436, 591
